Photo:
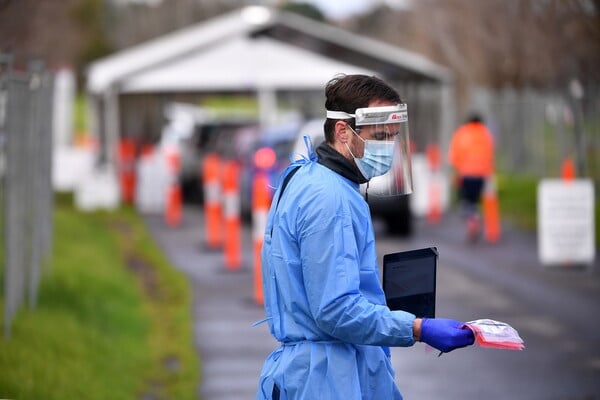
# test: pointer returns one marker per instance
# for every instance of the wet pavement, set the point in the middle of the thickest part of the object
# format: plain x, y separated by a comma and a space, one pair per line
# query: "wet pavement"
554, 309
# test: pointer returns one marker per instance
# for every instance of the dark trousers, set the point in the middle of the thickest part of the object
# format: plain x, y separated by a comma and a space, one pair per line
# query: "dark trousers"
471, 188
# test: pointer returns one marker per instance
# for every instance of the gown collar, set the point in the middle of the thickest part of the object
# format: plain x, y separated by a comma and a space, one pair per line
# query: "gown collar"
332, 159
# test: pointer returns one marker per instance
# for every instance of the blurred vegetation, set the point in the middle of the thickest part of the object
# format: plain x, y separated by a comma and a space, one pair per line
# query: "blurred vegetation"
91, 16
112, 319
518, 202
305, 9
80, 114
247, 105
518, 197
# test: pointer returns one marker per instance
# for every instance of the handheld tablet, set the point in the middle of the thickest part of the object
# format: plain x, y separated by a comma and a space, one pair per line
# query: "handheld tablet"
409, 281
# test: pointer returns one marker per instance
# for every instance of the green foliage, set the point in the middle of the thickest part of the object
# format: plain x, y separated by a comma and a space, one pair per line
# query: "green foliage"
92, 17
305, 9
518, 197
80, 114
112, 319
247, 105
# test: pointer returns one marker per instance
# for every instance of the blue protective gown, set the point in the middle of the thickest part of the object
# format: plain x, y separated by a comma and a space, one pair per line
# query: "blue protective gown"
323, 298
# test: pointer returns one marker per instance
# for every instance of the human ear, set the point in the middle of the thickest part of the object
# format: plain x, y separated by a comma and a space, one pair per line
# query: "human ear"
341, 131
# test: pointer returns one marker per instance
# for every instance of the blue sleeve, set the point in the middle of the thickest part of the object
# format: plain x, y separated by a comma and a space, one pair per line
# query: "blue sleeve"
331, 274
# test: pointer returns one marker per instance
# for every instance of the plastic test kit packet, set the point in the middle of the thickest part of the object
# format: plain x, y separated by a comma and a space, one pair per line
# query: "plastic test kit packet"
495, 334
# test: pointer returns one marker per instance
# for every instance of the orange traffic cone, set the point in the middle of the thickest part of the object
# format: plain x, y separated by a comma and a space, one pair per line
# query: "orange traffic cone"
491, 213
231, 216
434, 158
567, 170
261, 202
211, 183
173, 201
126, 160
434, 211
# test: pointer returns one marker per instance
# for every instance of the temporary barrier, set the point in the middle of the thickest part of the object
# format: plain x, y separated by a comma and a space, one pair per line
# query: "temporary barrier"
173, 200
434, 210
211, 183
27, 102
491, 212
261, 201
98, 190
151, 182
126, 162
231, 216
71, 164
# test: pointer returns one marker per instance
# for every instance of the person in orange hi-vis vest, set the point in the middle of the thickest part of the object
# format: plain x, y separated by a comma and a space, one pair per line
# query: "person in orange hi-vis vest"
471, 154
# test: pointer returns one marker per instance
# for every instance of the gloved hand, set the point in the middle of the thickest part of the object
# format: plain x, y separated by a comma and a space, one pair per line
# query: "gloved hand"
445, 334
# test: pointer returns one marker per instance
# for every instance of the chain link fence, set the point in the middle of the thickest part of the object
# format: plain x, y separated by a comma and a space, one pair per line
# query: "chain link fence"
536, 131
26, 196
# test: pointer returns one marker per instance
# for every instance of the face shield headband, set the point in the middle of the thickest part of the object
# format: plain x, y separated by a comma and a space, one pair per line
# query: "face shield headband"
394, 119
374, 115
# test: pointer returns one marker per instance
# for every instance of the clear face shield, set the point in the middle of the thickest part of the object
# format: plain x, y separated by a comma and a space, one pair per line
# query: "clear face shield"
385, 160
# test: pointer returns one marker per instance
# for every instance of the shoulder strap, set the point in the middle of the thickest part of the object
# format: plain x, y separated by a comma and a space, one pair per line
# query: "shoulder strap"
286, 180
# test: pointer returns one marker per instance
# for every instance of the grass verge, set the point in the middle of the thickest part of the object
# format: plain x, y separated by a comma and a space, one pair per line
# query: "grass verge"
518, 202
112, 320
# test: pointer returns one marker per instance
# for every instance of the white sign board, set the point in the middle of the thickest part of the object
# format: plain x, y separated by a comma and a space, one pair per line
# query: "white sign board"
565, 214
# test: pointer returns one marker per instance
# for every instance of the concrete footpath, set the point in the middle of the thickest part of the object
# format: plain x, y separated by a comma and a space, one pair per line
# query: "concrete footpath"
513, 288
231, 349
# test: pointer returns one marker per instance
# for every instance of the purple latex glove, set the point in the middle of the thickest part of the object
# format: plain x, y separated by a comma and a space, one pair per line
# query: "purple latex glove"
445, 334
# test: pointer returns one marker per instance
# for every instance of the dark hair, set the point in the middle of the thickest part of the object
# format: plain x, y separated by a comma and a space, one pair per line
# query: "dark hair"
349, 92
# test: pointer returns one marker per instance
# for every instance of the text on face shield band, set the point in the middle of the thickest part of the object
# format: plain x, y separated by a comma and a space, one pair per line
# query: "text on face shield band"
374, 115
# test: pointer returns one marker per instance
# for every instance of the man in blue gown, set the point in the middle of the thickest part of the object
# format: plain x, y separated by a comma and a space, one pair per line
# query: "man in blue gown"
323, 297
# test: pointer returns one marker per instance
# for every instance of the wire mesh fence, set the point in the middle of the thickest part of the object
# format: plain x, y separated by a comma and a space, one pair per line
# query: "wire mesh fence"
26, 196
536, 131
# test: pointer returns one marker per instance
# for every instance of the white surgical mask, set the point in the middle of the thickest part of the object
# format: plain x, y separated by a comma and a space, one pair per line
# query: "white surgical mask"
377, 157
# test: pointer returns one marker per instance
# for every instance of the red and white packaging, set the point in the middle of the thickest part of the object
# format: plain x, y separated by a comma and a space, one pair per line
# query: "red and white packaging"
495, 334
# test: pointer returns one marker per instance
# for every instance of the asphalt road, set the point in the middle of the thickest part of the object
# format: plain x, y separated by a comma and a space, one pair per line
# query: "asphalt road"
555, 310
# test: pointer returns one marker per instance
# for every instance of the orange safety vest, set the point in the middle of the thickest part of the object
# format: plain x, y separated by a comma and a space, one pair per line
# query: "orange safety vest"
472, 150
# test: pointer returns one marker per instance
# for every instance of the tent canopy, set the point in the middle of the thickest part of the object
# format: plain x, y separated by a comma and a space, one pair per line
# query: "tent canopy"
254, 47
242, 63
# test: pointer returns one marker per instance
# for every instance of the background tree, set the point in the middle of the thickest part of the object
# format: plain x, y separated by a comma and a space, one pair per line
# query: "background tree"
40, 29
493, 43
305, 9
497, 43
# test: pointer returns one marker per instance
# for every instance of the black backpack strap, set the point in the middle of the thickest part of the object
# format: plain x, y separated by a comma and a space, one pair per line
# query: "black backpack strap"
286, 180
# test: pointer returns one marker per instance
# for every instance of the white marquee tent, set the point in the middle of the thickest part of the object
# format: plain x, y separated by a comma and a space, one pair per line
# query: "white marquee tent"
253, 49
242, 63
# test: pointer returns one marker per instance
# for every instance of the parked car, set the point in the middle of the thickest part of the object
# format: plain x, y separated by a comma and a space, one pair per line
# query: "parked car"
394, 210
197, 131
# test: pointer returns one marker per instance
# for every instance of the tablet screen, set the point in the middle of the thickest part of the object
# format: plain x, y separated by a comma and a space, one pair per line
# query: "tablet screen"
409, 281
